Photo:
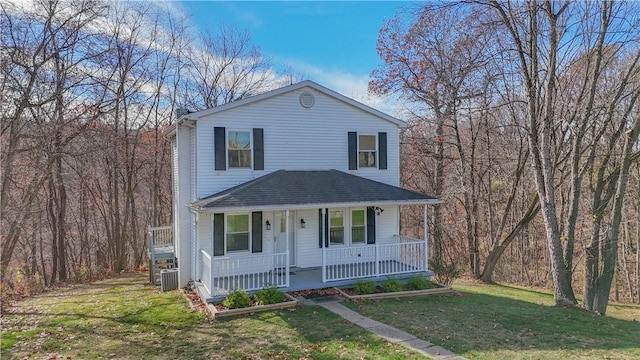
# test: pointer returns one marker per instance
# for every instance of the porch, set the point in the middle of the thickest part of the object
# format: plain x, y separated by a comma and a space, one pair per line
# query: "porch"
341, 266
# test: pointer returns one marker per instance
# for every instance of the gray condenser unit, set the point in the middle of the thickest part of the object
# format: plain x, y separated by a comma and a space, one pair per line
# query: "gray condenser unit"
169, 279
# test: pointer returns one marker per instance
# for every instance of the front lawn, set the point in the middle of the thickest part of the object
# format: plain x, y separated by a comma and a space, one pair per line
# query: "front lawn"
500, 322
125, 318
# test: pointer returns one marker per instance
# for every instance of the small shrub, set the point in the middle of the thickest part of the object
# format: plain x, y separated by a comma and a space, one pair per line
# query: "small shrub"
391, 285
269, 295
419, 282
237, 299
444, 273
362, 287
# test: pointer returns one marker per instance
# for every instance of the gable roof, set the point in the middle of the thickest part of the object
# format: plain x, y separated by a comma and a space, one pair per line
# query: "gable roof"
307, 83
284, 189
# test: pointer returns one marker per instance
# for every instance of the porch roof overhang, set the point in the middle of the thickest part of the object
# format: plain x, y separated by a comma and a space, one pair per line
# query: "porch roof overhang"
286, 189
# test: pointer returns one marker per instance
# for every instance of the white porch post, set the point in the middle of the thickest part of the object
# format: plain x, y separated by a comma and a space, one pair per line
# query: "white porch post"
286, 257
324, 249
377, 265
426, 242
213, 245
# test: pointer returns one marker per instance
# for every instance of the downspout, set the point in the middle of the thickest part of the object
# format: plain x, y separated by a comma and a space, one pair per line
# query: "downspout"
375, 225
198, 263
213, 249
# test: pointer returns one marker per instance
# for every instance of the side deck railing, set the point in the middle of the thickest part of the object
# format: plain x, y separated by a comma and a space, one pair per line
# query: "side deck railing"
161, 251
407, 255
221, 275
161, 236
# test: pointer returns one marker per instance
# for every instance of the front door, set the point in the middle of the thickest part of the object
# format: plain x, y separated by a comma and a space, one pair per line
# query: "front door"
281, 234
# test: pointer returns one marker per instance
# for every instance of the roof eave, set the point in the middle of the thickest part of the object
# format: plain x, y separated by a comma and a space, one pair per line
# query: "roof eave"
171, 130
311, 206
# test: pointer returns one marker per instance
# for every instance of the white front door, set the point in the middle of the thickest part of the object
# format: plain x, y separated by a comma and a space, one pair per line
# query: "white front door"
281, 234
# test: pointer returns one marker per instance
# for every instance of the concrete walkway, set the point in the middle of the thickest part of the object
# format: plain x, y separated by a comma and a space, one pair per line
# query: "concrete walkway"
389, 333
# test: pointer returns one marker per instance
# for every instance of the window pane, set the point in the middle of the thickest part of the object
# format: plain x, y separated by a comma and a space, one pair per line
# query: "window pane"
367, 159
335, 218
357, 217
239, 140
367, 142
336, 229
357, 234
239, 158
336, 236
238, 242
237, 223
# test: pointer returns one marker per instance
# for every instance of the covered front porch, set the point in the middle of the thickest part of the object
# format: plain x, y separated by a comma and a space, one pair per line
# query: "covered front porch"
303, 229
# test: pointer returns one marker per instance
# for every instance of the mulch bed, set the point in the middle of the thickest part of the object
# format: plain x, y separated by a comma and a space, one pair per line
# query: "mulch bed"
315, 293
349, 291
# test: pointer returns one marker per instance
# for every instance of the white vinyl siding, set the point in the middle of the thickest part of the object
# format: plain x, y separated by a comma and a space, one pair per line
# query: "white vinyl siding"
193, 169
295, 138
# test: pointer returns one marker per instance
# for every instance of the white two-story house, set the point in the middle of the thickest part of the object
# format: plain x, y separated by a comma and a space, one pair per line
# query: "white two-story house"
296, 188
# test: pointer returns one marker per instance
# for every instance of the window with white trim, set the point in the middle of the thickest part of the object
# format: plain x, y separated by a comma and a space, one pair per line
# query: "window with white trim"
366, 151
336, 227
358, 226
238, 235
239, 149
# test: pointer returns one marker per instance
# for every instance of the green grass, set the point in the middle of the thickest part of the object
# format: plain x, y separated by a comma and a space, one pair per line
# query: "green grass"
125, 318
500, 322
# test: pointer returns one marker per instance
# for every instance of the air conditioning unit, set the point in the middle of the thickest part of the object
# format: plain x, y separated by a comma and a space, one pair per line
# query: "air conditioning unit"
169, 279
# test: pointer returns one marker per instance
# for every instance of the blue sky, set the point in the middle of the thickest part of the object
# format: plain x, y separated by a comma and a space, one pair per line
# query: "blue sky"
332, 43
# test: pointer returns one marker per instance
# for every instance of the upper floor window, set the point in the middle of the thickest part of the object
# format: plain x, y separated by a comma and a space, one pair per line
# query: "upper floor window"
239, 149
366, 151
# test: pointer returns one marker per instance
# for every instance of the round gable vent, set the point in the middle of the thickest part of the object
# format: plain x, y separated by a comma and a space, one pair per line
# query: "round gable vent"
307, 99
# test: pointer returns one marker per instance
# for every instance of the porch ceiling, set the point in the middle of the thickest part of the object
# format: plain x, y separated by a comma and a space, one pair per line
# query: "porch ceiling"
304, 189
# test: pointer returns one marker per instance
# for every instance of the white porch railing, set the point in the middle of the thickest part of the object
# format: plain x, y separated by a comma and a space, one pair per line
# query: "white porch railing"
249, 273
205, 271
407, 255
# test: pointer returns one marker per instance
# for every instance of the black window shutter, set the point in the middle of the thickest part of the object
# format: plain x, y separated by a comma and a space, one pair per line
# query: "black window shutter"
382, 150
326, 228
258, 149
218, 235
256, 232
353, 150
320, 228
220, 148
371, 225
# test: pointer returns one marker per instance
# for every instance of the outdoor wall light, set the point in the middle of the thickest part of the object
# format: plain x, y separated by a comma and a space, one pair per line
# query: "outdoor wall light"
268, 225
302, 223
378, 210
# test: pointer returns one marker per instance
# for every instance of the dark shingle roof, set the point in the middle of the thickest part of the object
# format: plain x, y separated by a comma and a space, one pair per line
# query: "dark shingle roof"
284, 188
